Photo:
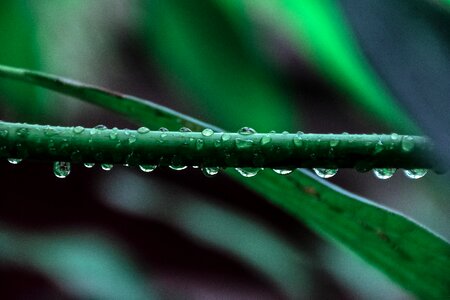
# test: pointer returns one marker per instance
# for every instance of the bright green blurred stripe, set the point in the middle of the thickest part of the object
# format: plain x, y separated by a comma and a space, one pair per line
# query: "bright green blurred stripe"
202, 55
319, 31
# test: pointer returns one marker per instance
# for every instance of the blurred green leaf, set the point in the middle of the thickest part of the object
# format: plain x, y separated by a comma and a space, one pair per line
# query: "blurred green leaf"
317, 29
19, 48
199, 50
411, 255
85, 264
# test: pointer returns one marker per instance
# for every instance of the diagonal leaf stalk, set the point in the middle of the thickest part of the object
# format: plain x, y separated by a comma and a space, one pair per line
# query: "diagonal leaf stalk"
211, 149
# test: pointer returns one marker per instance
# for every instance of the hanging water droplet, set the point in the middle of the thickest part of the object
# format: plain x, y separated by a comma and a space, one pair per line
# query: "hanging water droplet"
147, 168
199, 144
207, 132
248, 172
143, 130
246, 131
14, 161
325, 173
106, 167
78, 129
407, 143
177, 168
89, 165
194, 167
185, 129
298, 142
210, 171
415, 173
265, 140
283, 171
61, 169
385, 173
243, 144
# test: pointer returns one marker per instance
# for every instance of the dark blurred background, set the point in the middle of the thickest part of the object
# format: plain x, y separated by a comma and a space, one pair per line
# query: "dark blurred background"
316, 66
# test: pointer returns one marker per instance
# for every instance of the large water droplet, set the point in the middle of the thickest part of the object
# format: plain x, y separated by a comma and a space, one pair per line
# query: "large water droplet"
143, 130
325, 173
246, 131
248, 172
265, 140
61, 169
283, 171
147, 168
415, 173
407, 143
14, 161
385, 173
106, 167
78, 129
89, 165
207, 132
210, 171
243, 144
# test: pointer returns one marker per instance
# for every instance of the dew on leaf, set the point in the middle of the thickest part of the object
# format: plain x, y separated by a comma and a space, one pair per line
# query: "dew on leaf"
385, 173
246, 131
325, 173
248, 172
14, 161
207, 132
106, 167
415, 173
61, 169
147, 168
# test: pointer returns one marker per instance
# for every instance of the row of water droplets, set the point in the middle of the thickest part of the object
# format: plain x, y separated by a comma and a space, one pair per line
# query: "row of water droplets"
62, 169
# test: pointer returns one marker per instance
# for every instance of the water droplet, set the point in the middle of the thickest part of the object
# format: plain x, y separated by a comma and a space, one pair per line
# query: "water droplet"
248, 172
132, 139
143, 130
185, 129
246, 131
407, 143
378, 147
298, 142
243, 144
334, 143
265, 140
210, 171
164, 129
14, 161
61, 169
113, 133
225, 137
78, 129
285, 132
394, 136
325, 173
100, 127
177, 168
4, 133
199, 144
415, 173
49, 131
106, 167
384, 173
147, 168
23, 132
89, 165
217, 143
283, 171
207, 132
